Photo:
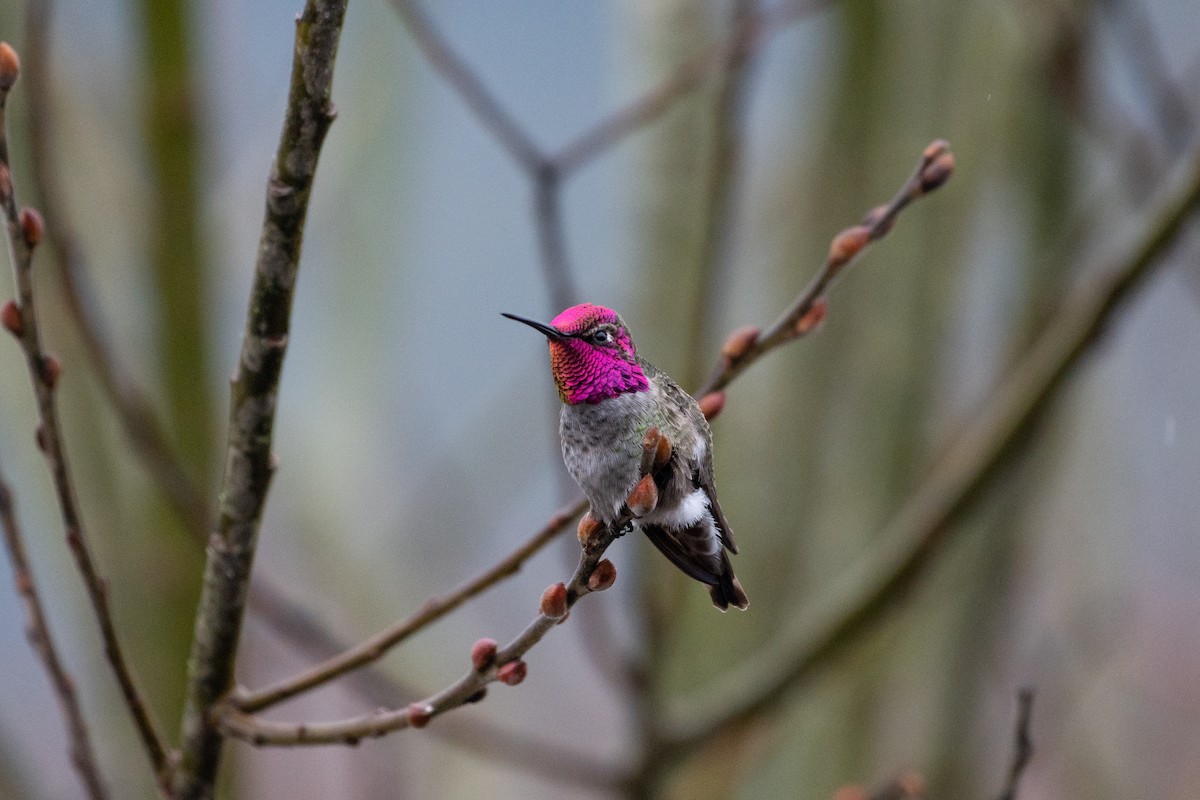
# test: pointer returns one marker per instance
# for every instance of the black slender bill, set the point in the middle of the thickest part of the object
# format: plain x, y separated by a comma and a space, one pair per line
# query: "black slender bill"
550, 332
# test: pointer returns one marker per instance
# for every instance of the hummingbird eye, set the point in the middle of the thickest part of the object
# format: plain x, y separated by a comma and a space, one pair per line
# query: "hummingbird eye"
601, 337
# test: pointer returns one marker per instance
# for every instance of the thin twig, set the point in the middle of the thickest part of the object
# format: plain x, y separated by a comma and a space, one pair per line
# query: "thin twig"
376, 646
690, 76
25, 229
724, 174
482, 103
249, 462
1022, 745
466, 689
935, 168
376, 688
83, 756
142, 426
923, 524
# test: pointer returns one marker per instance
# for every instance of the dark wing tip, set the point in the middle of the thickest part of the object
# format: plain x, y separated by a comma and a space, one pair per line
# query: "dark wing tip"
728, 593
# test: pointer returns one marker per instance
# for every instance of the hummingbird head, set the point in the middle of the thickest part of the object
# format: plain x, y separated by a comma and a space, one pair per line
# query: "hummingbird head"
592, 355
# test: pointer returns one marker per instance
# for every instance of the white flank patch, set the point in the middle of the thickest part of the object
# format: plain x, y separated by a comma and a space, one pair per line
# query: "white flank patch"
693, 509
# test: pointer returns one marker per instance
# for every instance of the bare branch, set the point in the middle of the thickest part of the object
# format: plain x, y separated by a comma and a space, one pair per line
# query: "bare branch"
141, 424
924, 523
747, 37
933, 169
433, 609
83, 756
249, 462
441, 56
25, 231
1022, 745
491, 664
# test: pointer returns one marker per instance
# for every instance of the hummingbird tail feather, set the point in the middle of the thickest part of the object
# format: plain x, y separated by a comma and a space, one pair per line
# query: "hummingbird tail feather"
689, 549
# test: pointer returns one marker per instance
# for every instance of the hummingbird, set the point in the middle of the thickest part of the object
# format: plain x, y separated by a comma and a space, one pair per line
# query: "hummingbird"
611, 397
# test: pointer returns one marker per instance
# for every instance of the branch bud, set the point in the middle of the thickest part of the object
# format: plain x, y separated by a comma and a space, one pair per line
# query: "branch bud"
12, 319
937, 172
419, 714
739, 342
712, 404
589, 528
847, 244
604, 576
912, 784
813, 318
51, 370
5, 181
662, 453
10, 66
483, 654
512, 673
852, 792
554, 601
649, 450
32, 226
644, 497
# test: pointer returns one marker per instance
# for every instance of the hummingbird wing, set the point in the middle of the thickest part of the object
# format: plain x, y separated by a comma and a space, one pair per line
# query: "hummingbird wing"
696, 545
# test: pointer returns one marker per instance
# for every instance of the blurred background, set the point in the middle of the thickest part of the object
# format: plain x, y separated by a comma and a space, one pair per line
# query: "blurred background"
417, 429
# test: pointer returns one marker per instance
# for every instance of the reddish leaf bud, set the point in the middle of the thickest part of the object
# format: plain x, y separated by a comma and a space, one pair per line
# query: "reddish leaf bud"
937, 172
649, 450
554, 601
847, 244
13, 320
10, 66
853, 792
644, 497
739, 342
589, 528
51, 370
419, 714
712, 404
813, 318
483, 653
5, 181
32, 226
604, 576
512, 673
662, 453
935, 149
912, 784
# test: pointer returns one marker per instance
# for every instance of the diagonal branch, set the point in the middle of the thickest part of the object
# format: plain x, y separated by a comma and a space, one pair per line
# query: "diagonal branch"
375, 647
748, 36
505, 664
83, 756
249, 463
142, 426
25, 230
925, 522
479, 99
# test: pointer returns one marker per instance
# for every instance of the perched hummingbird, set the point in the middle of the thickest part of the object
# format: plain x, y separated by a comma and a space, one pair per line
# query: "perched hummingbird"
611, 397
